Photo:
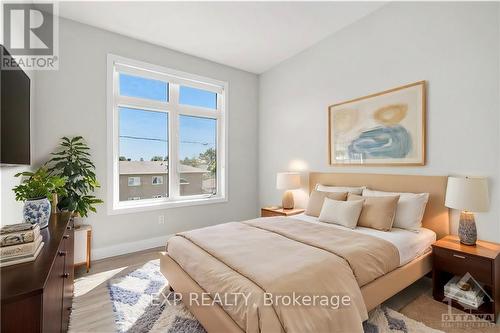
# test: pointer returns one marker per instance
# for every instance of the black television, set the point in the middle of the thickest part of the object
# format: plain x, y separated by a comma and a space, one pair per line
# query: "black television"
14, 112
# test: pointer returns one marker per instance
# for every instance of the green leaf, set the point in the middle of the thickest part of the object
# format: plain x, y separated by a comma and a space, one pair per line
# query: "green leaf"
39, 184
73, 163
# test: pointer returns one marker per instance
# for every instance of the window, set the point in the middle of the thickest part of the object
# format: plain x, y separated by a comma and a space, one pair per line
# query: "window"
143, 150
156, 180
169, 126
134, 181
135, 86
197, 97
198, 145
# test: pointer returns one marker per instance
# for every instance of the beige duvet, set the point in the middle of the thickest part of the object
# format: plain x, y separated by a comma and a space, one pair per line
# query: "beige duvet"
274, 260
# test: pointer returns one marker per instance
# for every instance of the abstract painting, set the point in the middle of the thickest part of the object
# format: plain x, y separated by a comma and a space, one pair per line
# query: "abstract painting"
387, 128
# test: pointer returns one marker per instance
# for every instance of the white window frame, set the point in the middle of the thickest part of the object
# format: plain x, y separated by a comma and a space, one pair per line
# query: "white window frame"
117, 64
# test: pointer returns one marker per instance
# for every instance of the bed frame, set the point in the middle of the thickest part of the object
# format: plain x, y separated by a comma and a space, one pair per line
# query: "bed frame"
215, 319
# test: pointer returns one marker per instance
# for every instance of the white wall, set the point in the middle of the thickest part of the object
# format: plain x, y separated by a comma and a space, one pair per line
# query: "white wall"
454, 46
72, 101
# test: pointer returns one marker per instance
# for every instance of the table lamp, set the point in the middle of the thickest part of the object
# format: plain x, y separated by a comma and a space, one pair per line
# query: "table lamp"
287, 181
469, 194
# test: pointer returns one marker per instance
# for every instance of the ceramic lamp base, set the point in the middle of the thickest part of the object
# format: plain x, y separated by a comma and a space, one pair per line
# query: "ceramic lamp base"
467, 231
287, 201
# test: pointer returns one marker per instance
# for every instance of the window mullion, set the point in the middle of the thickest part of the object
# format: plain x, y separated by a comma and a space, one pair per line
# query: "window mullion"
137, 103
198, 112
173, 160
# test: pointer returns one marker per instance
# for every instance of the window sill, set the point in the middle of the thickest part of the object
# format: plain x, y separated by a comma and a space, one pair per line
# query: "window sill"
136, 207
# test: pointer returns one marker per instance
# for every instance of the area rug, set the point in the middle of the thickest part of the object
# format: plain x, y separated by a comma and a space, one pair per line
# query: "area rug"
383, 319
138, 306
426, 309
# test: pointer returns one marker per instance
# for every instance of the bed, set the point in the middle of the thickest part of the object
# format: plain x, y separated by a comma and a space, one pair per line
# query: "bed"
193, 263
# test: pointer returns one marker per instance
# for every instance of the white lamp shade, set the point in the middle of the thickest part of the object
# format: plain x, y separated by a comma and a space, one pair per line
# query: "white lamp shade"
467, 193
287, 180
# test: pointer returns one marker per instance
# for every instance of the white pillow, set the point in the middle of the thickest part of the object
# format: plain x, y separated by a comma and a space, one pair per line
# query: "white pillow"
410, 209
344, 213
350, 189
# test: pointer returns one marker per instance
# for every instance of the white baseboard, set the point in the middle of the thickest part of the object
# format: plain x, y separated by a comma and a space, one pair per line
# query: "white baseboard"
130, 247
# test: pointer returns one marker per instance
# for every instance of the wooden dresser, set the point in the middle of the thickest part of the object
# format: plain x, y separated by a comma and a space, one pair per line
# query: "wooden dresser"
37, 296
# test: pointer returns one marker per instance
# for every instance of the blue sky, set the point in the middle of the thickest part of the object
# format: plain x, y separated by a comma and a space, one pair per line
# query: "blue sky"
144, 134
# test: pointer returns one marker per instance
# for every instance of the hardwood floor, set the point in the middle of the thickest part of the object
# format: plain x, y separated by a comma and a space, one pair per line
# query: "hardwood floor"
92, 309
130, 259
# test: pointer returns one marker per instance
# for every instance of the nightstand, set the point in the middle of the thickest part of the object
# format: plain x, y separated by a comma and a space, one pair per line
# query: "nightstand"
271, 211
481, 261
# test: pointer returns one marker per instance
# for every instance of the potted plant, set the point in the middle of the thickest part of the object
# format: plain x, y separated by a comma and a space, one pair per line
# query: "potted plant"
73, 162
35, 190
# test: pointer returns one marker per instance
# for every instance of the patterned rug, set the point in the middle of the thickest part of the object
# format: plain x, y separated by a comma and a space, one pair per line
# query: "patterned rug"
383, 319
139, 306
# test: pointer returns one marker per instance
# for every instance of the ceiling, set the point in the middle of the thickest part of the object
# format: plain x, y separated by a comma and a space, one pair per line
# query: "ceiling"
252, 36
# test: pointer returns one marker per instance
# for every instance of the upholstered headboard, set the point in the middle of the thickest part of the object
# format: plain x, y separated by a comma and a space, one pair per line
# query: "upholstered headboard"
436, 215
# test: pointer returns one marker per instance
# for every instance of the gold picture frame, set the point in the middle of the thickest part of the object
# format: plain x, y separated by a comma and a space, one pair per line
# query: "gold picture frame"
387, 128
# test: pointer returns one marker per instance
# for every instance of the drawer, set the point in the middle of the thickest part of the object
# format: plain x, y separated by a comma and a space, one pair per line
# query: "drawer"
269, 213
460, 263
52, 296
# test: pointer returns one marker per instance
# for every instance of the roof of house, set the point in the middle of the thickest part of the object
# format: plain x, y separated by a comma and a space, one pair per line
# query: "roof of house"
154, 167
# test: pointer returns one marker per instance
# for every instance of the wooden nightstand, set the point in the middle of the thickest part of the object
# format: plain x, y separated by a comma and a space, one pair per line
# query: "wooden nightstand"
481, 261
271, 211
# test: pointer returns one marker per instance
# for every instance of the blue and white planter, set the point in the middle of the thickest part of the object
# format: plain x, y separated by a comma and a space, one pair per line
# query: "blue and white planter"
37, 211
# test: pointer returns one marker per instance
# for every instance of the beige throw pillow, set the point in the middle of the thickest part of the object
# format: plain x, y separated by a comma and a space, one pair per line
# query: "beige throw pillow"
410, 210
378, 212
316, 201
345, 213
